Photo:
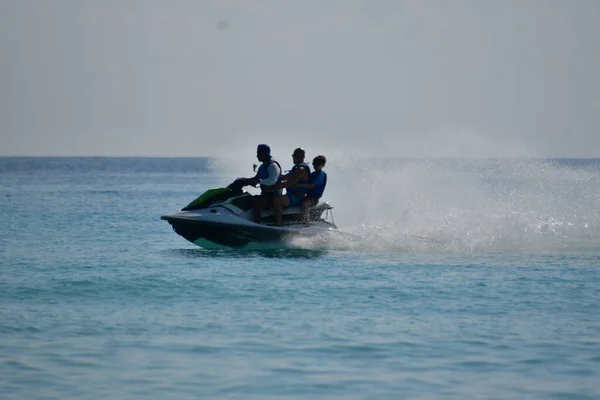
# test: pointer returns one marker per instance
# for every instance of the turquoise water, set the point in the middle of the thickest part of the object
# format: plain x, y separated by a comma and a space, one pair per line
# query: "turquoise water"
484, 283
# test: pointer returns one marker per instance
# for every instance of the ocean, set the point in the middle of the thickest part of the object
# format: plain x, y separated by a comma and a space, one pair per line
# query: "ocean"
476, 279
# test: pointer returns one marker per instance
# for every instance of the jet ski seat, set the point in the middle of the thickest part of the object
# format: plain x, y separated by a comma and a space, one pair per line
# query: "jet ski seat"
315, 211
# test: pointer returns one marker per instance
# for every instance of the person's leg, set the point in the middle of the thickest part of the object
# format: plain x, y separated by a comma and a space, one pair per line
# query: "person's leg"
279, 203
307, 202
260, 203
257, 206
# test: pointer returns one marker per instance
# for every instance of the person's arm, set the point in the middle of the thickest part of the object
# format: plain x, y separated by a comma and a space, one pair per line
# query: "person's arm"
241, 182
317, 181
250, 181
307, 185
292, 179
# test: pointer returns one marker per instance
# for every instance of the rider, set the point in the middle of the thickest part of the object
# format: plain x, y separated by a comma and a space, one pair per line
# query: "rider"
318, 181
295, 183
268, 175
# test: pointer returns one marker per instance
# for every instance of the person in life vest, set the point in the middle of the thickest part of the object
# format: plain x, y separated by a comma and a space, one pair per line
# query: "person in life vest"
268, 176
295, 185
316, 187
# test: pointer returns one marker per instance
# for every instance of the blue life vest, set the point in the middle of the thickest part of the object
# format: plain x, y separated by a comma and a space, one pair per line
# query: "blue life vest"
299, 191
319, 178
263, 172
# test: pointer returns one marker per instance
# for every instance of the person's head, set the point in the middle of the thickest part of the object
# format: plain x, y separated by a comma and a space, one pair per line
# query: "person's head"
319, 162
298, 155
263, 152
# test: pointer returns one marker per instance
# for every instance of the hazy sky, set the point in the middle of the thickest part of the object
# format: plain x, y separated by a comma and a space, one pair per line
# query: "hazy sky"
393, 77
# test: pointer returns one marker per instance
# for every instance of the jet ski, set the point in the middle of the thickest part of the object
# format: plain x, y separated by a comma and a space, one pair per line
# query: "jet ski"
223, 217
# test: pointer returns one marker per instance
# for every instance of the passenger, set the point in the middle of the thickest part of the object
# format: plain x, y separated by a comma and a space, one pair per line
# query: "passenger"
268, 175
295, 184
318, 181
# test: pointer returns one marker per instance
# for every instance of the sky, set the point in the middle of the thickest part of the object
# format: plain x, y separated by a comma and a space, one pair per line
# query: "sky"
380, 77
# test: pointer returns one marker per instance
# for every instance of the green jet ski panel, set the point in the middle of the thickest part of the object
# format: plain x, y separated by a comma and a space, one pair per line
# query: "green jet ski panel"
208, 197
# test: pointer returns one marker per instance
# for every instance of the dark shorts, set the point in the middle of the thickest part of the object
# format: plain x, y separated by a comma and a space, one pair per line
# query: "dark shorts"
294, 200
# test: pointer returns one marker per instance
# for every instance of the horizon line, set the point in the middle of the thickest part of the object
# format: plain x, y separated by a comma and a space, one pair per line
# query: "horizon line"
367, 156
